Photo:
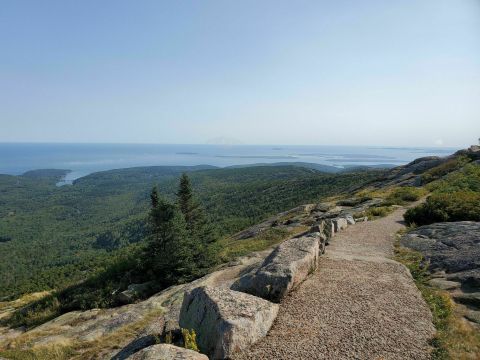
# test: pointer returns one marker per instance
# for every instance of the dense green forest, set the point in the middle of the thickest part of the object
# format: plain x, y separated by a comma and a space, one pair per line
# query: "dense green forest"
51, 237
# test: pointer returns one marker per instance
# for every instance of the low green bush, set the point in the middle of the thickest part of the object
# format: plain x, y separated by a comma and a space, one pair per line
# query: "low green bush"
441, 207
466, 179
379, 211
405, 194
443, 169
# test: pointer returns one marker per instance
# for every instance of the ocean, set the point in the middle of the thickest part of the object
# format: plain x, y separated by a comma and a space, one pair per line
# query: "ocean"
83, 159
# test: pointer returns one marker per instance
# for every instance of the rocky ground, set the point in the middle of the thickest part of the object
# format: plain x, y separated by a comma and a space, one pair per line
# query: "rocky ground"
119, 332
360, 304
453, 252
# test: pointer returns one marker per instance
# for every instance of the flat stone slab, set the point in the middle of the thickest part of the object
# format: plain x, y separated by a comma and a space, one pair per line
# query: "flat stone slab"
450, 247
224, 320
473, 316
444, 284
285, 268
167, 352
472, 299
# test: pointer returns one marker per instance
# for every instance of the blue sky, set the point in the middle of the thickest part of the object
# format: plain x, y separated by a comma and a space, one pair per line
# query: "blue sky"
263, 72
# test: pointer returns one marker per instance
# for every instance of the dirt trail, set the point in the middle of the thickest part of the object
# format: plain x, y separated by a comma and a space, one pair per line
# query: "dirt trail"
360, 304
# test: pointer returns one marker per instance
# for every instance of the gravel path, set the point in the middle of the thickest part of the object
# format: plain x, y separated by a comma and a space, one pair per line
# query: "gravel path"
358, 305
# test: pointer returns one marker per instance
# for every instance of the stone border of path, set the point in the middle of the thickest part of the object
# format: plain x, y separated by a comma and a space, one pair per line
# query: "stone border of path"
228, 321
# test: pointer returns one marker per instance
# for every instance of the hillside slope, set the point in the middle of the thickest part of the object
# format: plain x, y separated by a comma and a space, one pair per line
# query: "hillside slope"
55, 236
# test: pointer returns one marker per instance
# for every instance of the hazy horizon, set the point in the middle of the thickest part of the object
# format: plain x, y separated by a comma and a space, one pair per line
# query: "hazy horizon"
86, 158
259, 73
237, 144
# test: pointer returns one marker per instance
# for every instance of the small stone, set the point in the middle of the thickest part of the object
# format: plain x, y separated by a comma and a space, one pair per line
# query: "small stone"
167, 352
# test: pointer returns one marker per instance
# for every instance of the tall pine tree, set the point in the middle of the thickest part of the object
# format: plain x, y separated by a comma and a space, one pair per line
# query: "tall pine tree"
169, 253
186, 201
201, 230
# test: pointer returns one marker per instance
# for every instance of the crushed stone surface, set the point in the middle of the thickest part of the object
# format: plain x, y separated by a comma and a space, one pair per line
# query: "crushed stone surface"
359, 304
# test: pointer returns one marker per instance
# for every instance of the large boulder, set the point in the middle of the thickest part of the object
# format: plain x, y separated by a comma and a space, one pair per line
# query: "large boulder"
224, 320
350, 219
329, 230
340, 224
167, 352
285, 268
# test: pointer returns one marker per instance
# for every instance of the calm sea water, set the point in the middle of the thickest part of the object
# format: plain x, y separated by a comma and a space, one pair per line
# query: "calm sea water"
83, 159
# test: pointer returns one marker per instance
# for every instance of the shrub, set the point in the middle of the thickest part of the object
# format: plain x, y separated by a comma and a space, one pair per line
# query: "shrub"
190, 339
441, 207
445, 168
405, 194
379, 211
468, 178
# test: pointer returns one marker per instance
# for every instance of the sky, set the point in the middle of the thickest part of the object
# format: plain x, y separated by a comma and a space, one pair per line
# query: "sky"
399, 73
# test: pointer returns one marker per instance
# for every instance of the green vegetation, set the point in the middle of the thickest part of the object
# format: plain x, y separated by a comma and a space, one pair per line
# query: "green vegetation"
454, 339
378, 212
190, 340
234, 248
405, 194
59, 236
182, 245
457, 206
445, 168
465, 179
91, 240
455, 197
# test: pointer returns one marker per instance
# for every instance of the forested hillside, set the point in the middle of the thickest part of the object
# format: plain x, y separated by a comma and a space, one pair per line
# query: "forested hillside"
54, 236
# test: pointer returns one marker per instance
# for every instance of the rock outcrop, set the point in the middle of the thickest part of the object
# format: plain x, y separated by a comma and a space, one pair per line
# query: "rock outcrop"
224, 320
167, 352
134, 292
285, 268
453, 247
453, 252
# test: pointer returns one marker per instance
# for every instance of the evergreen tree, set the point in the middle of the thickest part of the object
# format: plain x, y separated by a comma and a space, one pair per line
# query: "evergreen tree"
169, 252
186, 201
201, 230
